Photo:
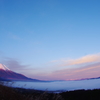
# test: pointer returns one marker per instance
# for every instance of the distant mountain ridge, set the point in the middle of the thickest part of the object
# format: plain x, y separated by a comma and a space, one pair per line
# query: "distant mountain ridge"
90, 78
7, 74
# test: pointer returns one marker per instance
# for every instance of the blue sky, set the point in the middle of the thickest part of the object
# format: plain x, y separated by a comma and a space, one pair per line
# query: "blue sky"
36, 36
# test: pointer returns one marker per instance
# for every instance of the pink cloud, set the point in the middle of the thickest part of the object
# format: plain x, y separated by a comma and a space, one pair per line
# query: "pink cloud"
85, 67
82, 60
88, 71
85, 59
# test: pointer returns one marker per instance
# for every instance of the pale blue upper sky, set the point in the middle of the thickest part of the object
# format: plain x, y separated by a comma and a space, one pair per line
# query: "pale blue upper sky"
37, 32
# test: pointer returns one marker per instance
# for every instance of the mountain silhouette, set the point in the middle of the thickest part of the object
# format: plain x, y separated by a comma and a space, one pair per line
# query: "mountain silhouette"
7, 74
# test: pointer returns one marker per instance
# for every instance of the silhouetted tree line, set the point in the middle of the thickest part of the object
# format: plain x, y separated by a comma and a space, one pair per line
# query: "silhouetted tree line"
81, 95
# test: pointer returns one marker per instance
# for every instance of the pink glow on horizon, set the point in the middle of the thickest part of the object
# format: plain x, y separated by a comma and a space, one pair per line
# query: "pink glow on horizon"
88, 71
84, 67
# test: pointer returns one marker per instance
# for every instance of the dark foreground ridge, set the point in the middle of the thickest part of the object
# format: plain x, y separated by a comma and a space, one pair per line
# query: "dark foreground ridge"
7, 93
81, 95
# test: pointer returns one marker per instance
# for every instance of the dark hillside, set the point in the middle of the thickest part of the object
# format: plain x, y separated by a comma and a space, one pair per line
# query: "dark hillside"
7, 93
82, 95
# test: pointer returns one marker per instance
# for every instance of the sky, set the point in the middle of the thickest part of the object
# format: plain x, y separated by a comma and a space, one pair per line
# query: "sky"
51, 39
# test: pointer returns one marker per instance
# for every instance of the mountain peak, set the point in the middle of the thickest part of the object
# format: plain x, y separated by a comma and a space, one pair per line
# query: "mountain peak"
7, 74
3, 67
